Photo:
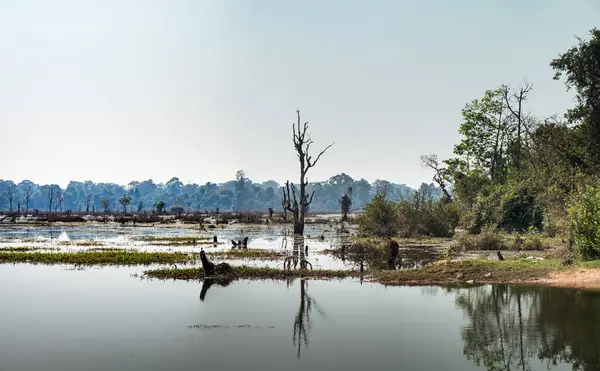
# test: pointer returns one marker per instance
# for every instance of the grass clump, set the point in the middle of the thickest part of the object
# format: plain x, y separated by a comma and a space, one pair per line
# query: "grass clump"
81, 243
25, 248
493, 240
245, 272
98, 257
260, 254
477, 270
175, 240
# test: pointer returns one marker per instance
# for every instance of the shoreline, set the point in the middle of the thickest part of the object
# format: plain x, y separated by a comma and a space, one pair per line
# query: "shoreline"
463, 273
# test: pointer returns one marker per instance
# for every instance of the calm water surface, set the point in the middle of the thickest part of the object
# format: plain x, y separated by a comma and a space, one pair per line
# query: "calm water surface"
52, 318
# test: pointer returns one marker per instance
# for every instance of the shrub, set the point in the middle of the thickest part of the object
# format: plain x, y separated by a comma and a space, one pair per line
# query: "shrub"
487, 240
420, 216
380, 218
510, 208
520, 210
584, 221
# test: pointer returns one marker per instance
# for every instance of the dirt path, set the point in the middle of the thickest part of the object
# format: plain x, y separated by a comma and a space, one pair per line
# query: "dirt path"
577, 278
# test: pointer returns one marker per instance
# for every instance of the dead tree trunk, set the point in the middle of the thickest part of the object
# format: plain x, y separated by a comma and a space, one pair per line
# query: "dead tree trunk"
50, 199
9, 194
28, 194
298, 204
517, 99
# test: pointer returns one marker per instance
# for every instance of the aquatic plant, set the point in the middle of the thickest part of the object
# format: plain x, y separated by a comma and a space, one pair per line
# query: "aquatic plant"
258, 254
26, 248
176, 240
99, 257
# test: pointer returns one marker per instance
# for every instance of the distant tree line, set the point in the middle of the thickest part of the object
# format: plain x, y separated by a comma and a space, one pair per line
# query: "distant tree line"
240, 194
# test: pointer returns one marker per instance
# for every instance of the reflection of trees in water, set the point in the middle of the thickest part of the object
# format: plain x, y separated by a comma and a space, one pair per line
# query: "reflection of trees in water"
299, 254
302, 324
509, 326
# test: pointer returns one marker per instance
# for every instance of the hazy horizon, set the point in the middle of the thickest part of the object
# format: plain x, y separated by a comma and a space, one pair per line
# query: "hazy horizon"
115, 91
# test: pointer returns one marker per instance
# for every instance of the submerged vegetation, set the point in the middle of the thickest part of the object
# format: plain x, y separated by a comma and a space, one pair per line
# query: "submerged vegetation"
176, 240
257, 254
26, 248
121, 257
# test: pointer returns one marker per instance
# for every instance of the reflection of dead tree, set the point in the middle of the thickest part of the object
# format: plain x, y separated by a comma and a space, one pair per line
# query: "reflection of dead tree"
210, 281
302, 325
298, 255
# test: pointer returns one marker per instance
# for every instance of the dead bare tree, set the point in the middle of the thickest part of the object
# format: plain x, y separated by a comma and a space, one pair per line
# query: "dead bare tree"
297, 204
28, 194
50, 198
514, 101
10, 196
88, 202
440, 176
59, 201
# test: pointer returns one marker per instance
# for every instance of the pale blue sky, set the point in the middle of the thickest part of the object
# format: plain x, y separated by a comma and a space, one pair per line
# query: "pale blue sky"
136, 89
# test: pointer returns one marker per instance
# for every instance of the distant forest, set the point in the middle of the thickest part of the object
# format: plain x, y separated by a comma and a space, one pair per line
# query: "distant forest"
240, 194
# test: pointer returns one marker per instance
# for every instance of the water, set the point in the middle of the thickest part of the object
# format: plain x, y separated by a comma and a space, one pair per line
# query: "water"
112, 235
105, 319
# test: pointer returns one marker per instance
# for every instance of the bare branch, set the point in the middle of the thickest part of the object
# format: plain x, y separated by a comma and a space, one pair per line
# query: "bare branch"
310, 164
308, 202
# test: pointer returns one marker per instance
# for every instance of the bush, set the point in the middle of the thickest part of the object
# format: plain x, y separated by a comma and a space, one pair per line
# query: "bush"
419, 216
422, 216
488, 240
520, 210
584, 221
380, 218
510, 208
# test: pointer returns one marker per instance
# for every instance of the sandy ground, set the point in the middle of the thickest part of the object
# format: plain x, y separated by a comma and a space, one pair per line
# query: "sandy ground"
577, 278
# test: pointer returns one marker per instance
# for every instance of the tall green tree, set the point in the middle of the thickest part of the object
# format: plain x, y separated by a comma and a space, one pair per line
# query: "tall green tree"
580, 65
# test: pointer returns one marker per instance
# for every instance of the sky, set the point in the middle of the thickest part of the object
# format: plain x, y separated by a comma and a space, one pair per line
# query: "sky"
122, 90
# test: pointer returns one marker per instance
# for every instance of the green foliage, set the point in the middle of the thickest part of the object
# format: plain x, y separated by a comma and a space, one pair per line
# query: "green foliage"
380, 218
584, 219
512, 207
581, 64
420, 216
122, 257
520, 211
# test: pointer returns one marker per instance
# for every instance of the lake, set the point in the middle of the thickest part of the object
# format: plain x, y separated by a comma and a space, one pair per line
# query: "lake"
57, 318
